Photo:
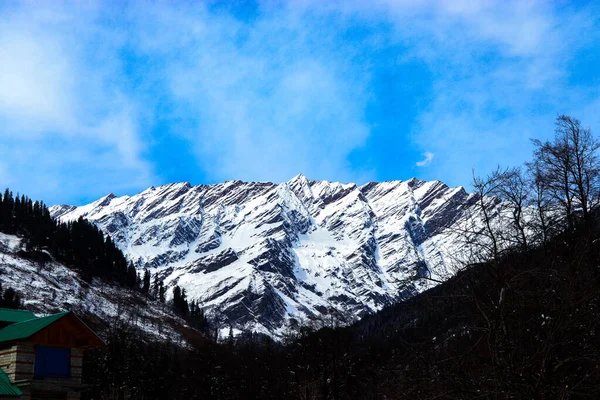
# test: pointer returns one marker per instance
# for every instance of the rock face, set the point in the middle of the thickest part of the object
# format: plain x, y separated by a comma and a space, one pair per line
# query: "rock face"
259, 254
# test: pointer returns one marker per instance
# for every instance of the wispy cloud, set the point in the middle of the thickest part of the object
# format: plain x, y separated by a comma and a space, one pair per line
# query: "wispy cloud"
290, 90
426, 161
90, 93
502, 73
67, 127
266, 100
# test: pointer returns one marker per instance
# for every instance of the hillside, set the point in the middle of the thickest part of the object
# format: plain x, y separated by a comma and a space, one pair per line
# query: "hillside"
47, 286
47, 266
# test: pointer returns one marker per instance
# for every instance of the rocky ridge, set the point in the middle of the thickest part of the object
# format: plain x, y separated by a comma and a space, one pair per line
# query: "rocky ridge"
261, 254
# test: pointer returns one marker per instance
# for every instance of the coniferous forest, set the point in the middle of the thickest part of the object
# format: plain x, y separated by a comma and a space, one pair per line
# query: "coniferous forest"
521, 320
78, 243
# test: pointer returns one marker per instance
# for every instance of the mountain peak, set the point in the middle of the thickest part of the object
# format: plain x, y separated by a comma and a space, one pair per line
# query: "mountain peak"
104, 201
299, 179
299, 176
312, 245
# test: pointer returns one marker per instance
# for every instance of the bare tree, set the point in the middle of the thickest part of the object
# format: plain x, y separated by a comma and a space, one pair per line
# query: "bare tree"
569, 168
490, 207
554, 161
540, 201
513, 190
584, 167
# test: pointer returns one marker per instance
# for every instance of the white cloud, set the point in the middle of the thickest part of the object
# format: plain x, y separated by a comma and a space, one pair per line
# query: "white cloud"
36, 80
58, 87
259, 101
283, 93
268, 100
501, 72
427, 160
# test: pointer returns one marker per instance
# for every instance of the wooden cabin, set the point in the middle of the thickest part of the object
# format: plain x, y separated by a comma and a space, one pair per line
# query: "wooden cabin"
41, 357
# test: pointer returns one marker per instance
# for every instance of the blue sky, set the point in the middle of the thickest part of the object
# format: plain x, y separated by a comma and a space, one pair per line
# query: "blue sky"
115, 97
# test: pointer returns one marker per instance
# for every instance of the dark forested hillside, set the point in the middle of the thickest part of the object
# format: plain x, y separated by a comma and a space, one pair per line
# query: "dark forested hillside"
79, 243
526, 328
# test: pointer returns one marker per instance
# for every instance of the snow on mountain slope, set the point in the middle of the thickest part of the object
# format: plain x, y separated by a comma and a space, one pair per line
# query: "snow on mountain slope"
51, 287
259, 254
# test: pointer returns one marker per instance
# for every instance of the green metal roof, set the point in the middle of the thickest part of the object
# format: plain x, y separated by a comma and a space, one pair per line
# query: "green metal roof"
6, 386
9, 315
22, 330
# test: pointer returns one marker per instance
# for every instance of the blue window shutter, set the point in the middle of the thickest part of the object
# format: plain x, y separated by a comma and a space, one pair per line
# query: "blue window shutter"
52, 362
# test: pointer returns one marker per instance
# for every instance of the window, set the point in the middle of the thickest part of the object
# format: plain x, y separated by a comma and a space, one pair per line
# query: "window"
52, 362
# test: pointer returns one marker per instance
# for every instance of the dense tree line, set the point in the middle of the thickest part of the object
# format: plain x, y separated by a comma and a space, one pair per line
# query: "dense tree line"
78, 244
520, 321
190, 310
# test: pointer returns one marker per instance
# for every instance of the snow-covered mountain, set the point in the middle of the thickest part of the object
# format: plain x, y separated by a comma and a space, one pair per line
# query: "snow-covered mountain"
259, 254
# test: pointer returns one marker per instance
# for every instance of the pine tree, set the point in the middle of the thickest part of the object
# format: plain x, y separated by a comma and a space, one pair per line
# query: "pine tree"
180, 303
176, 296
146, 282
230, 339
11, 299
155, 287
131, 279
6, 212
161, 292
184, 304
